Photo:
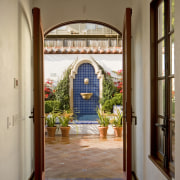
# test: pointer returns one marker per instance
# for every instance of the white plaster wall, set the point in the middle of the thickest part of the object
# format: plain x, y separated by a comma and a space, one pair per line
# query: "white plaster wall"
177, 89
59, 11
112, 12
143, 166
16, 142
138, 90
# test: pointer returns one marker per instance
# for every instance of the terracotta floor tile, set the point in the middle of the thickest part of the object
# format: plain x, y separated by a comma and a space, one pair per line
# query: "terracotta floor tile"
83, 157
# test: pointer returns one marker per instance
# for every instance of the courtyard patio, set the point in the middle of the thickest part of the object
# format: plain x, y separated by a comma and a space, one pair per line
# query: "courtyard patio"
84, 157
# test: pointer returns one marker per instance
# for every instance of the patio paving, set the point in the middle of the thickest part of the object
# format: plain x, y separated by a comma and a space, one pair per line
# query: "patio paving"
84, 157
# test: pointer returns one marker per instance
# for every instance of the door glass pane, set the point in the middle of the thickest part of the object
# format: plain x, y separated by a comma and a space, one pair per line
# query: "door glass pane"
172, 54
161, 20
172, 98
161, 97
172, 143
172, 14
161, 58
160, 137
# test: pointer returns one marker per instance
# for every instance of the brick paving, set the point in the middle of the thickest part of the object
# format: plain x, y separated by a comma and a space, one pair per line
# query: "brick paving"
84, 157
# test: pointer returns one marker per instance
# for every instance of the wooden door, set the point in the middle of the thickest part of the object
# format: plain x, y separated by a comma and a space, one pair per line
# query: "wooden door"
38, 95
127, 93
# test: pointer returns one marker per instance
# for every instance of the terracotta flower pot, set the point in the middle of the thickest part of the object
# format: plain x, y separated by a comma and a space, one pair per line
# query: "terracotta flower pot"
51, 131
103, 131
65, 131
118, 131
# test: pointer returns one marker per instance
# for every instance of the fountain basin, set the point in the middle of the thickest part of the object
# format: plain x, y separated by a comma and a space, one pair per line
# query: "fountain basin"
86, 95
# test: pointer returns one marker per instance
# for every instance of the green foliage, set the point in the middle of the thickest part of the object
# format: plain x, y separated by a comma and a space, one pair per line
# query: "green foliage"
103, 119
118, 120
110, 95
116, 100
62, 91
107, 106
65, 117
50, 105
51, 119
108, 88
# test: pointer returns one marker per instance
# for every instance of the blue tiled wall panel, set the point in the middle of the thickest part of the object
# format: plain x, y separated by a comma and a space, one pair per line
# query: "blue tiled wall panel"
81, 105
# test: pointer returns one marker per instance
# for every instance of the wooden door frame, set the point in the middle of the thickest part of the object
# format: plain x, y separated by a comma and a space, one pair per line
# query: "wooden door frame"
127, 110
38, 95
39, 111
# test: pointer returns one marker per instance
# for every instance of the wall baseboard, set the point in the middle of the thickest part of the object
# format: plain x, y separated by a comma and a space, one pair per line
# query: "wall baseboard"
134, 175
32, 176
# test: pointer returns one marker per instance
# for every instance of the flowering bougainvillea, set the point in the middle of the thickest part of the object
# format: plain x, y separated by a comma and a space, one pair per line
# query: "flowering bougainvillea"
48, 90
108, 73
119, 86
119, 72
119, 83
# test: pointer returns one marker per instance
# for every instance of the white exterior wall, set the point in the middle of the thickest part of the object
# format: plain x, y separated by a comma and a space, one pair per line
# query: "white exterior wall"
16, 142
56, 64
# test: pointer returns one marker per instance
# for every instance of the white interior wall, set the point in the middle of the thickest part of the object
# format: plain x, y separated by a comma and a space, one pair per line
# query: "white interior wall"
177, 89
59, 11
16, 142
137, 93
143, 166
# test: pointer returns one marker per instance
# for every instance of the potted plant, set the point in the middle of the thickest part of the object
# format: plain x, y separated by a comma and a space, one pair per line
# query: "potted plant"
117, 123
50, 122
104, 122
64, 119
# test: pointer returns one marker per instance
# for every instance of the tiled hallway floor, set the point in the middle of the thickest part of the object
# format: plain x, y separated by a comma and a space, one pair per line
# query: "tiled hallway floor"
83, 157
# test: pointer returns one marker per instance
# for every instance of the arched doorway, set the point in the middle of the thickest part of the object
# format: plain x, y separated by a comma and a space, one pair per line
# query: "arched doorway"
39, 149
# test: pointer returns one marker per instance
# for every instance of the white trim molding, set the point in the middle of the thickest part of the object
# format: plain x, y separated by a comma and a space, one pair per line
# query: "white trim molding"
74, 71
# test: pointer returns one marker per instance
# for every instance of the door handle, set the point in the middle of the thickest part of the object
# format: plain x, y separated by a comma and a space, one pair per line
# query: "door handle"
32, 116
135, 119
164, 128
159, 125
